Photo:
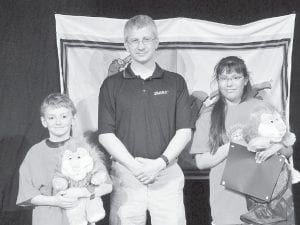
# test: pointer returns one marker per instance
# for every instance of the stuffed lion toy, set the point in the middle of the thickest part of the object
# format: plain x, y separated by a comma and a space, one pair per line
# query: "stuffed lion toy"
266, 127
80, 166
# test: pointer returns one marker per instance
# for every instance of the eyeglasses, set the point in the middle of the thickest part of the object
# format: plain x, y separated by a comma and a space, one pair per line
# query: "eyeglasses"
145, 41
233, 78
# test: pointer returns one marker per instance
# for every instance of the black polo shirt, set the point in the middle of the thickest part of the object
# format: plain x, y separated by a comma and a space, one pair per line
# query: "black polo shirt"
144, 114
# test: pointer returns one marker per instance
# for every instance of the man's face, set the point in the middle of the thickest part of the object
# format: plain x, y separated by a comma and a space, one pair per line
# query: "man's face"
141, 43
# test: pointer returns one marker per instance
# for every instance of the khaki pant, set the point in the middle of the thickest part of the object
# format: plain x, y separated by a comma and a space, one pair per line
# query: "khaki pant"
131, 199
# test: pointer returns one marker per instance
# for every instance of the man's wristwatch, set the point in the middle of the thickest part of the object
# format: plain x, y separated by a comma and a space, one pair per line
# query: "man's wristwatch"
166, 160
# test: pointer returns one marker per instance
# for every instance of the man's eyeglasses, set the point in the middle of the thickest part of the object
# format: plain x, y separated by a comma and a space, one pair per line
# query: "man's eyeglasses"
145, 41
233, 78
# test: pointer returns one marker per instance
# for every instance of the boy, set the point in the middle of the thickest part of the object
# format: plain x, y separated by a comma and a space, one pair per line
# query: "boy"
37, 169
144, 123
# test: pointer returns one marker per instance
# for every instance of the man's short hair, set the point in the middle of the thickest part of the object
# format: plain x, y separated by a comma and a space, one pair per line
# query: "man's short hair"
140, 21
57, 100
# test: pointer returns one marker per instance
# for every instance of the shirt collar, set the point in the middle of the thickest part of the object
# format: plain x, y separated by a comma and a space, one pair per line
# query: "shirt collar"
129, 74
52, 144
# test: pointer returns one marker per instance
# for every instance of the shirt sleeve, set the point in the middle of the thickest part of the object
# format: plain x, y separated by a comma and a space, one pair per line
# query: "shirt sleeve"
106, 109
200, 141
27, 189
183, 106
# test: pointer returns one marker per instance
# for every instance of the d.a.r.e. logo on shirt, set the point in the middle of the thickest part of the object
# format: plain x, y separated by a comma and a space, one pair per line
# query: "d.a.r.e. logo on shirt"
163, 92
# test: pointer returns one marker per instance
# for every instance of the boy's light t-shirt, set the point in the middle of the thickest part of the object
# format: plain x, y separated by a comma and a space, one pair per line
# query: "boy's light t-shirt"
36, 173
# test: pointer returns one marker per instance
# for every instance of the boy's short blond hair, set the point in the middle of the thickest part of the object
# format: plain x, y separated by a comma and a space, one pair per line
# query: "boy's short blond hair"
57, 100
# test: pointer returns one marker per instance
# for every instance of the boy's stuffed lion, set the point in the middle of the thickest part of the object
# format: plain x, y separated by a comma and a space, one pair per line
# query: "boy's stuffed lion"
81, 167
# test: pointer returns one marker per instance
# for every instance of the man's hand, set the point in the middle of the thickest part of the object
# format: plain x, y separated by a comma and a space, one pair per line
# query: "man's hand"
150, 169
136, 168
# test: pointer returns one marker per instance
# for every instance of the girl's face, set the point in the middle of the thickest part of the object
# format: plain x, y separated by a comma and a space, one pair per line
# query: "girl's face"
231, 85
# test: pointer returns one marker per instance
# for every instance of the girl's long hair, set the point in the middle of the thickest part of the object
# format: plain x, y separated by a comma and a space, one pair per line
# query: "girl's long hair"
217, 132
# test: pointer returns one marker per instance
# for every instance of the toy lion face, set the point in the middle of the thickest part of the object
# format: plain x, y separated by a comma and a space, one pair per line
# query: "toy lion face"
272, 126
76, 164
265, 121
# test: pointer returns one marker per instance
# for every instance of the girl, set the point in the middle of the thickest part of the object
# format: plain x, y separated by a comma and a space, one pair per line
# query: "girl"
211, 142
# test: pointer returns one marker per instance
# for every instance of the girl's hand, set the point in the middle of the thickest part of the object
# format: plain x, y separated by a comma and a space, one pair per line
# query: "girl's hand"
65, 202
264, 155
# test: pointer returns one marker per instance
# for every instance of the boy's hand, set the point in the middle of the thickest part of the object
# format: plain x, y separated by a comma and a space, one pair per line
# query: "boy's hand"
65, 202
98, 178
75, 193
103, 189
60, 183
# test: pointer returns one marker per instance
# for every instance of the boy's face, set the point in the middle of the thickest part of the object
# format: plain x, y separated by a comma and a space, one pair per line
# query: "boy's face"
141, 43
59, 122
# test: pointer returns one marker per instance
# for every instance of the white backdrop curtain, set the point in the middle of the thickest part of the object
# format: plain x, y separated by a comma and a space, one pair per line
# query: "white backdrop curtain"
88, 45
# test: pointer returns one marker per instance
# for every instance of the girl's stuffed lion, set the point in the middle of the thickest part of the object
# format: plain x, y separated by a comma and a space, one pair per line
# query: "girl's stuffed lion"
266, 127
81, 167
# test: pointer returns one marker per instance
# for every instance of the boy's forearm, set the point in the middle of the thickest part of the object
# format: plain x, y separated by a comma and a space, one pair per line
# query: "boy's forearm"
58, 200
43, 200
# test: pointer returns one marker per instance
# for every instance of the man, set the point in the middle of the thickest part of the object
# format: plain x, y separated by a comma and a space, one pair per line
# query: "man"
144, 123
